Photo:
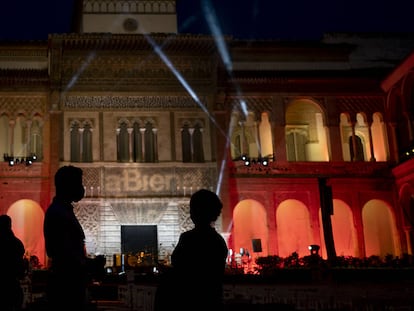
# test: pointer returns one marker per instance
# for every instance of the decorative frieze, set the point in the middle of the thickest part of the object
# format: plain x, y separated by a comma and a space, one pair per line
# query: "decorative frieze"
129, 102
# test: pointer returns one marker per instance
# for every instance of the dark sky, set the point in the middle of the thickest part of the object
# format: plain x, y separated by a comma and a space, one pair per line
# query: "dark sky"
244, 19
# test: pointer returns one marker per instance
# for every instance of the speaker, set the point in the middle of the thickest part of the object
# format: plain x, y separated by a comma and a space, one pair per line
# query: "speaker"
257, 245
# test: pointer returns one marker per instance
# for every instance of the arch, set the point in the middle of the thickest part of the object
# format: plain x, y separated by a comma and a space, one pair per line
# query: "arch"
150, 141
27, 217
251, 135
344, 231
250, 222
306, 133
358, 131
123, 142
379, 138
265, 136
359, 153
19, 139
380, 233
294, 232
237, 141
36, 138
75, 141
136, 141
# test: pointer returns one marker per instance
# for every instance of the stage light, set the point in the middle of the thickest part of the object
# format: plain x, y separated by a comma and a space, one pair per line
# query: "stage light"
314, 249
265, 162
23, 160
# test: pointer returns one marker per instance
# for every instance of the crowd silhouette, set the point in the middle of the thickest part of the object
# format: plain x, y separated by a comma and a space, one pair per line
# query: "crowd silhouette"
12, 267
193, 281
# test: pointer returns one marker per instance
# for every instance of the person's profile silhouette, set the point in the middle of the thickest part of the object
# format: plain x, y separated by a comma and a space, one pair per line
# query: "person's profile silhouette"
198, 260
65, 243
12, 267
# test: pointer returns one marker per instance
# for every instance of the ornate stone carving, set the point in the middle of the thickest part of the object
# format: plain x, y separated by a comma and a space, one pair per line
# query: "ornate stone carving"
27, 105
129, 102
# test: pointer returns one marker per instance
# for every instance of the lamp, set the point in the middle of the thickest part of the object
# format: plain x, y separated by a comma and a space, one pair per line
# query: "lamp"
265, 161
246, 160
314, 249
23, 160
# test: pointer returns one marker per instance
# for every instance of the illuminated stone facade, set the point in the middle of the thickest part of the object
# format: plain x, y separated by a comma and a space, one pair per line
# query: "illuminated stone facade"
152, 119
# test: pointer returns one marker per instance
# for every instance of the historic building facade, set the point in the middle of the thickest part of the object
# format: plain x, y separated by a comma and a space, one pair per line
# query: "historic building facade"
303, 141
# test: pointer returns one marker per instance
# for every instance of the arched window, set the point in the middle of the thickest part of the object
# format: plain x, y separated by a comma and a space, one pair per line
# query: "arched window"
36, 141
81, 141
150, 143
357, 155
123, 143
198, 150
74, 142
87, 143
186, 143
306, 138
296, 139
192, 143
137, 143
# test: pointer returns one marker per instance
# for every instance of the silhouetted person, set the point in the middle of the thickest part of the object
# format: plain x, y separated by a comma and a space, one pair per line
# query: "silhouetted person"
65, 244
198, 260
12, 267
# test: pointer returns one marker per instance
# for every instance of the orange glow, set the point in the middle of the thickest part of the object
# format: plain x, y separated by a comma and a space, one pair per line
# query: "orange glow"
379, 229
343, 231
293, 228
250, 223
27, 217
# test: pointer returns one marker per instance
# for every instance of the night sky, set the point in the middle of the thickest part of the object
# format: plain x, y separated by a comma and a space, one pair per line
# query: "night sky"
241, 19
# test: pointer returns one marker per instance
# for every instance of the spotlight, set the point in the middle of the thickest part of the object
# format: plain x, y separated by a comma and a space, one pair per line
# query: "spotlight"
247, 162
265, 162
314, 249
11, 162
244, 157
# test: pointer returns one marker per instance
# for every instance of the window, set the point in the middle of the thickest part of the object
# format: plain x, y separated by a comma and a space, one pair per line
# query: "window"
192, 143
296, 139
123, 143
136, 143
150, 137
81, 141
357, 155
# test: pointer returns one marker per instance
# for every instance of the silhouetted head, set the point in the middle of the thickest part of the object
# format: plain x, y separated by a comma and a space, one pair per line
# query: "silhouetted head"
69, 184
5, 223
205, 207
